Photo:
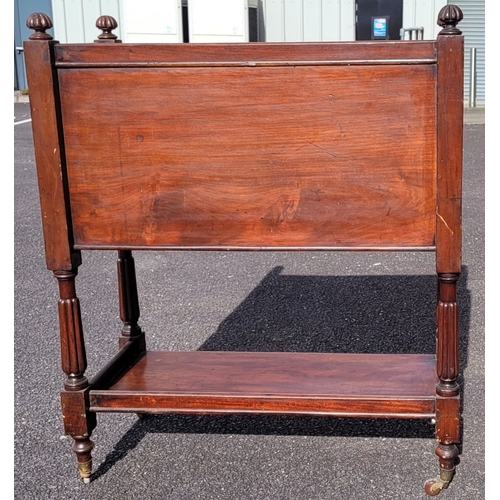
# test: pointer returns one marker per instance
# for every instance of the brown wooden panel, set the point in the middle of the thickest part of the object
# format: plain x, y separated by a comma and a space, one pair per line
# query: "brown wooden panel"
80, 55
450, 154
278, 156
49, 155
388, 407
282, 373
355, 384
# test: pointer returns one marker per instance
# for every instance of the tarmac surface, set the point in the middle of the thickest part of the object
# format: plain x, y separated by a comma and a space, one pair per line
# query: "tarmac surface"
244, 301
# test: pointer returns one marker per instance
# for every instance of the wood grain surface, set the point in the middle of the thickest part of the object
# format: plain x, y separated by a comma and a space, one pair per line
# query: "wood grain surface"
400, 385
314, 156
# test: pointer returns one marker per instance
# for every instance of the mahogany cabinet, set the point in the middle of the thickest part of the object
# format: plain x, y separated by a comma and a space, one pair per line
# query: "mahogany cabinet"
343, 146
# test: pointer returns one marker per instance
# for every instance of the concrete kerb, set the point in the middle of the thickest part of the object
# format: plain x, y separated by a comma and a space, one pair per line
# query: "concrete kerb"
474, 115
20, 97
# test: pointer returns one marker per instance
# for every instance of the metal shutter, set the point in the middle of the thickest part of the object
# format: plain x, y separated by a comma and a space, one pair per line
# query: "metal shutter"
473, 26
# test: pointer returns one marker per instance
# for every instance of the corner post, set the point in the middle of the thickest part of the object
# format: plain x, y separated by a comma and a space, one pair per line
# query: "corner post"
60, 254
450, 109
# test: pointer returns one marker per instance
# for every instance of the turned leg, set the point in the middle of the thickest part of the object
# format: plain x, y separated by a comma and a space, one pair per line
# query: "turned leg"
78, 421
129, 301
447, 389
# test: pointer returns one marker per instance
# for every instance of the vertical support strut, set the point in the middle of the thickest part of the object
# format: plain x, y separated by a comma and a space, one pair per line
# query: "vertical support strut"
129, 301
450, 51
60, 255
447, 390
78, 421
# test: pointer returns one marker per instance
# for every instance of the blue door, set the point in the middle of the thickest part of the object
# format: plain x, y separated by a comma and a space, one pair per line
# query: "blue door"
22, 9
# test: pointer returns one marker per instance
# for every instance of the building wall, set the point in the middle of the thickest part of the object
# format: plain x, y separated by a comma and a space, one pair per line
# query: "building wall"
308, 20
221, 21
473, 29
22, 9
423, 14
74, 20
150, 20
163, 26
334, 20
279, 20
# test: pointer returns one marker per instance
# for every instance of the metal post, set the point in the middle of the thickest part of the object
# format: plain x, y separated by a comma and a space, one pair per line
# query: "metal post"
16, 85
472, 79
413, 33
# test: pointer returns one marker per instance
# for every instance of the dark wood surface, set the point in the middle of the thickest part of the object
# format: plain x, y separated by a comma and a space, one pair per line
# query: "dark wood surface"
252, 163
450, 109
240, 54
50, 159
253, 382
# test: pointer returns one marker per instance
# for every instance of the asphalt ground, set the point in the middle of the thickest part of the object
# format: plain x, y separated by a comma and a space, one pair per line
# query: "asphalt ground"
369, 302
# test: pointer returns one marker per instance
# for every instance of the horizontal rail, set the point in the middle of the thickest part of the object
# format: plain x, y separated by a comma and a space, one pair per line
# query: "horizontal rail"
127, 355
259, 248
253, 54
249, 64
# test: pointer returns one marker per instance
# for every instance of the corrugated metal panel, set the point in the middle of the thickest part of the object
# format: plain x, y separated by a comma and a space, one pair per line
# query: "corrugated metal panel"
294, 21
346, 20
74, 20
331, 28
312, 20
473, 26
423, 14
273, 29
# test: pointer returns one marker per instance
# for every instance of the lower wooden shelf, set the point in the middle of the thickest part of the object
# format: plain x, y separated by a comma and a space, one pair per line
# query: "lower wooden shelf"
356, 385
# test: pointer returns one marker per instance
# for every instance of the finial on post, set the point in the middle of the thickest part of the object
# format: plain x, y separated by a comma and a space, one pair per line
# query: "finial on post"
107, 24
448, 18
40, 23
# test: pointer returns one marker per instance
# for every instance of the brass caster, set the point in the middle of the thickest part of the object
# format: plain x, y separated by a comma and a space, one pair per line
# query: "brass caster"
434, 486
85, 469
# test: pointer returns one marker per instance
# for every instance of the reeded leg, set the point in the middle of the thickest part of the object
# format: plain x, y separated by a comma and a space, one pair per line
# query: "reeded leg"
78, 421
447, 390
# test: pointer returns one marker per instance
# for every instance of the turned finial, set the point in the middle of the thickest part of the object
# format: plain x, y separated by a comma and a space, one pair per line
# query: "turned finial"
40, 23
448, 18
107, 24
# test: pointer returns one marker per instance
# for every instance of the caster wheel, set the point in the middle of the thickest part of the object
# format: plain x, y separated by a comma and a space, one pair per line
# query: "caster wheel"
433, 487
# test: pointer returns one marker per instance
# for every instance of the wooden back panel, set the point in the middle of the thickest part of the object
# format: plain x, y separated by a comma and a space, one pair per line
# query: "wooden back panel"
323, 146
345, 145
